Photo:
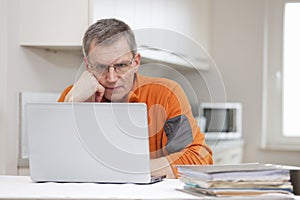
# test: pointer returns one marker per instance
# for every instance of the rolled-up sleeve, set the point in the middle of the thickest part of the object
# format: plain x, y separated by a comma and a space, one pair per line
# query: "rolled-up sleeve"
185, 142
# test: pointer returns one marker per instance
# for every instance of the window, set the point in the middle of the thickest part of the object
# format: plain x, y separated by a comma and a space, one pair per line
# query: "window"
291, 70
281, 75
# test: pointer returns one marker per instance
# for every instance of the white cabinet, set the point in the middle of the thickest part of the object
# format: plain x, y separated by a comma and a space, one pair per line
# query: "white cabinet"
175, 30
53, 23
188, 17
62, 23
227, 151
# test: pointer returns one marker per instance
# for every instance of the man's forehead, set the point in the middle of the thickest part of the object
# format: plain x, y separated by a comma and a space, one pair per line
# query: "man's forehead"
108, 58
115, 50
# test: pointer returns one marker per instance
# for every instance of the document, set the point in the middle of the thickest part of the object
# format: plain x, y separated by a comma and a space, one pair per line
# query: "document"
232, 180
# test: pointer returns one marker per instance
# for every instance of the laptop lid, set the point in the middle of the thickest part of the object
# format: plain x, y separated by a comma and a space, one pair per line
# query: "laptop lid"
88, 142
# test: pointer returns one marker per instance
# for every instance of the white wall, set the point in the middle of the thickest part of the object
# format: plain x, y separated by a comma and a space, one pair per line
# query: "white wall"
3, 63
237, 48
25, 69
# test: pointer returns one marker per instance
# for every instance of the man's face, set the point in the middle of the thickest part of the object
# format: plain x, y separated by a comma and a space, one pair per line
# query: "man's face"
114, 67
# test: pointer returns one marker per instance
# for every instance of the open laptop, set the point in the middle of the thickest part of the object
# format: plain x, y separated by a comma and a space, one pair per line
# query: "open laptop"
88, 142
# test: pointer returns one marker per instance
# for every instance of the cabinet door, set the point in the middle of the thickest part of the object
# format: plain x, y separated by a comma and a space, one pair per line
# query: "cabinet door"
189, 17
120, 9
228, 156
180, 22
53, 22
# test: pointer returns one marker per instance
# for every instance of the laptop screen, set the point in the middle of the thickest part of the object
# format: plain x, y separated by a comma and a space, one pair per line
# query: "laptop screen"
88, 142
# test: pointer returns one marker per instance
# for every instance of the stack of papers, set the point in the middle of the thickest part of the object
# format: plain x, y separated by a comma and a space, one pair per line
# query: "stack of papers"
236, 180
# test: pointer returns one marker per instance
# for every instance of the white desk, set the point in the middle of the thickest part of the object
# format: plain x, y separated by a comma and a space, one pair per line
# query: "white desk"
21, 187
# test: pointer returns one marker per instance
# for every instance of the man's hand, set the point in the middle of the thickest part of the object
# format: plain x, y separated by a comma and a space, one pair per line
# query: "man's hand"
87, 88
161, 166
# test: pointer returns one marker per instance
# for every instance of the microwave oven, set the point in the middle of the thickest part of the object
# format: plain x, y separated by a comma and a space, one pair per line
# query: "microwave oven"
221, 120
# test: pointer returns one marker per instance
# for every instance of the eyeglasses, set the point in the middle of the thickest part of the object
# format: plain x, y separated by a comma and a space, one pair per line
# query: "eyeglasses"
119, 68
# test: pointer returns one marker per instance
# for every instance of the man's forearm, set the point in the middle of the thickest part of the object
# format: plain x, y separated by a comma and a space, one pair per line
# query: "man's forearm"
69, 96
161, 166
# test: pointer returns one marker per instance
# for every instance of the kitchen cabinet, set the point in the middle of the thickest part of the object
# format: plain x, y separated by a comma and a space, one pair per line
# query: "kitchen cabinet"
174, 32
227, 151
188, 17
53, 23
60, 24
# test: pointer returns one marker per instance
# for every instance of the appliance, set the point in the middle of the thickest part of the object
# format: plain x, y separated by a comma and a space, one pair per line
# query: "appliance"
221, 120
89, 142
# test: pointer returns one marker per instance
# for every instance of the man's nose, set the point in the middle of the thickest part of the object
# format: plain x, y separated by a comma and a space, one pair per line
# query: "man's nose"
112, 75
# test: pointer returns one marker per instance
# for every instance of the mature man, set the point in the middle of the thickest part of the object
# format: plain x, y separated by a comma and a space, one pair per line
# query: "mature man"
111, 75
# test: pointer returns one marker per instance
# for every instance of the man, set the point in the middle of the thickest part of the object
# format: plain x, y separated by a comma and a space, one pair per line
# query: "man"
111, 75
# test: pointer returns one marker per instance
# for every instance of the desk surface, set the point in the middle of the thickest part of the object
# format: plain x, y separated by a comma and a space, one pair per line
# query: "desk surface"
21, 187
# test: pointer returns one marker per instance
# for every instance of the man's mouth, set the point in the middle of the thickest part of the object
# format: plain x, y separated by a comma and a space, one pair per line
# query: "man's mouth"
112, 88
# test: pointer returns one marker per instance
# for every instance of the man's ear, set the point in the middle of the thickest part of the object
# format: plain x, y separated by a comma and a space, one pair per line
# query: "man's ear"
137, 61
86, 63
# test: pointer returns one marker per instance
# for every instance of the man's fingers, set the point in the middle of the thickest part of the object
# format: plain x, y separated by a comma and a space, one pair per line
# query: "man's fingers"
86, 88
98, 97
99, 93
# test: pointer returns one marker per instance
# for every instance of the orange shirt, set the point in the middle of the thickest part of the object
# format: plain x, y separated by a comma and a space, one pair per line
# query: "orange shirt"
173, 131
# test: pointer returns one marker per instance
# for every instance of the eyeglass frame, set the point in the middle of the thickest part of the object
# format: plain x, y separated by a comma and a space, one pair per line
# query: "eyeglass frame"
106, 67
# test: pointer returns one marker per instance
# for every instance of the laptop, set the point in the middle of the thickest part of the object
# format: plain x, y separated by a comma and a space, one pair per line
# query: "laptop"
88, 142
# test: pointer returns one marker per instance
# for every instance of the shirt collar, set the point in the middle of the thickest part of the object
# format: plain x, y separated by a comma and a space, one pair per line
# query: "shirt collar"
134, 94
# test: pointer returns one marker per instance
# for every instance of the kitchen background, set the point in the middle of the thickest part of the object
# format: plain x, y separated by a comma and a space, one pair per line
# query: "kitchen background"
40, 51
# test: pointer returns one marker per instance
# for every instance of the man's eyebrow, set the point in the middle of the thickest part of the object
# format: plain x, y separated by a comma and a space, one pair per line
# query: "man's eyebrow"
112, 63
121, 60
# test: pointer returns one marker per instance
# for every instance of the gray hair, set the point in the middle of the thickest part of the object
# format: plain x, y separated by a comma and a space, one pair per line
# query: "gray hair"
106, 32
